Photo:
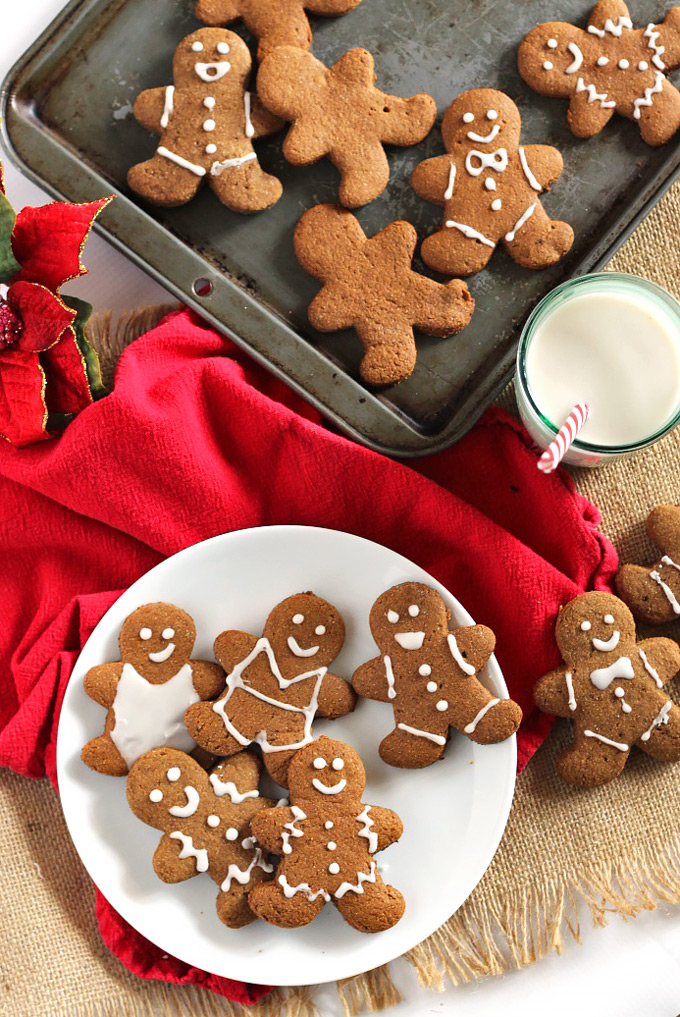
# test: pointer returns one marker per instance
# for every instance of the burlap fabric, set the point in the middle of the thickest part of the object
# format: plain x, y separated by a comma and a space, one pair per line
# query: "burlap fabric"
567, 856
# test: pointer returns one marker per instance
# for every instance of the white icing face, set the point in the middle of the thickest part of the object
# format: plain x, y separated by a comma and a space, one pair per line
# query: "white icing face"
145, 634
414, 610
174, 773
329, 789
392, 617
338, 764
212, 71
410, 640
485, 139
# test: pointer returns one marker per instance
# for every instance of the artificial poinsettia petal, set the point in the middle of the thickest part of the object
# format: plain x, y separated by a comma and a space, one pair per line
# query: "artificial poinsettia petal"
89, 354
23, 414
44, 315
68, 390
47, 242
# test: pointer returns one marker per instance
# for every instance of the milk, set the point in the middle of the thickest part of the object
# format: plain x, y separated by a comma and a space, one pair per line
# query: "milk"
613, 342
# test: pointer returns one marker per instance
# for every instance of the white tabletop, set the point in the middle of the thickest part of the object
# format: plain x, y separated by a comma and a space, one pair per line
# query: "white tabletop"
628, 969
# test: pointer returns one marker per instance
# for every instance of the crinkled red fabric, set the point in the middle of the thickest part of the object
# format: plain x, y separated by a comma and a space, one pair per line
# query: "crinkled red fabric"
195, 440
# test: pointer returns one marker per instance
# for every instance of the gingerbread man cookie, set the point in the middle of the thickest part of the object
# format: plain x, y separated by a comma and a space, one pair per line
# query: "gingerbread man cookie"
369, 285
612, 688
489, 187
340, 113
276, 685
272, 22
428, 674
653, 594
205, 819
327, 840
148, 690
207, 121
608, 68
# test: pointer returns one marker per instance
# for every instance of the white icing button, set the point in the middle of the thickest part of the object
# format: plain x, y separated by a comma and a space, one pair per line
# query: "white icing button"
298, 619
232, 833
334, 868
213, 821
431, 686
608, 619
168, 633
442, 705
496, 205
492, 115
197, 46
643, 65
338, 764
328, 824
490, 184
468, 118
209, 125
602, 61
145, 633
248, 842
552, 43
585, 626
547, 66
320, 630
414, 610
619, 692
156, 795
222, 47
211, 149
624, 65
319, 763
331, 845
209, 102
174, 773
424, 670
393, 617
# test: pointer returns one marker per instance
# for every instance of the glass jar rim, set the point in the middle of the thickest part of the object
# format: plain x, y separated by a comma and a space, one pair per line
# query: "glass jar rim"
537, 315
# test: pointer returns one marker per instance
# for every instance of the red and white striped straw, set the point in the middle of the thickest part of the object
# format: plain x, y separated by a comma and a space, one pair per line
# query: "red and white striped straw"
558, 447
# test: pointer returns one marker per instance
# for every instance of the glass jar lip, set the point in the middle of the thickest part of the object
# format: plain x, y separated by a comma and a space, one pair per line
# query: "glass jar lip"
628, 279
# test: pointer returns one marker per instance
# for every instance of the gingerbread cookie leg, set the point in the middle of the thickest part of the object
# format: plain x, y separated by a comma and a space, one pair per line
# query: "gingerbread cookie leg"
269, 901
390, 353
536, 240
364, 173
232, 907
592, 760
661, 740
164, 181
586, 119
413, 747
245, 187
456, 250
101, 755
377, 908
276, 764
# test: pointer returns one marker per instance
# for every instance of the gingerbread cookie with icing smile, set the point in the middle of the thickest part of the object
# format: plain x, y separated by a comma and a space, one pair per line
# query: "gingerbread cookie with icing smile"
276, 685
148, 690
489, 186
327, 840
653, 594
610, 67
429, 675
612, 687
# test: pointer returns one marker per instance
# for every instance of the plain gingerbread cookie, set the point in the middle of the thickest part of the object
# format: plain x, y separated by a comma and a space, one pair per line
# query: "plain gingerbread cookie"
489, 186
148, 690
327, 840
207, 121
276, 685
338, 112
610, 67
205, 821
272, 22
370, 285
653, 594
612, 688
429, 675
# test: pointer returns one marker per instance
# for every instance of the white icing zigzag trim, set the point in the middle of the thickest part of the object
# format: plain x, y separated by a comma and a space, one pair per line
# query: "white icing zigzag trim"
609, 26
291, 830
189, 851
365, 830
305, 888
242, 876
358, 887
227, 787
652, 38
594, 95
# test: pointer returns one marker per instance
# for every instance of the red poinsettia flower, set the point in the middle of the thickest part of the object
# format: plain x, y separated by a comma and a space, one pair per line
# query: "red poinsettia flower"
48, 371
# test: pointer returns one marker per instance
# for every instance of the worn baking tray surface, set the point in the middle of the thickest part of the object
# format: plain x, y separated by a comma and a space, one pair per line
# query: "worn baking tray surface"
68, 121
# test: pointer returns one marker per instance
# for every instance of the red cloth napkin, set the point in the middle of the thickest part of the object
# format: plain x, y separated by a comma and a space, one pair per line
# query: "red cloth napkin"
196, 440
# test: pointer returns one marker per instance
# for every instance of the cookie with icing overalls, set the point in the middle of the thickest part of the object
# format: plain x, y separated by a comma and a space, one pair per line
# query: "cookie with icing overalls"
608, 67
653, 594
612, 687
429, 676
276, 685
273, 22
207, 120
327, 841
147, 691
205, 820
489, 186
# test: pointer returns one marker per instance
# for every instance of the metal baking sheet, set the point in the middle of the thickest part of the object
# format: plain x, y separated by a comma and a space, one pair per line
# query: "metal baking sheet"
68, 123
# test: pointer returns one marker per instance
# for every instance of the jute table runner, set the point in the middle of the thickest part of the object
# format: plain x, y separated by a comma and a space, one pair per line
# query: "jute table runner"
567, 856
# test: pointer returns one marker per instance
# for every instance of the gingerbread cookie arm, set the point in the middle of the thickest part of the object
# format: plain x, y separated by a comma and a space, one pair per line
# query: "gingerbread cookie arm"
336, 697
545, 165
218, 12
232, 647
475, 643
552, 694
431, 179
370, 680
288, 80
149, 107
663, 528
208, 678
100, 682
268, 827
167, 863
386, 824
407, 121
331, 8
663, 656
263, 122
669, 38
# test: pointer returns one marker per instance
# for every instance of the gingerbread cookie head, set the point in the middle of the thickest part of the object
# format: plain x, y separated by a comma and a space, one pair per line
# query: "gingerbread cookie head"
582, 632
211, 56
305, 632
483, 121
327, 773
157, 639
551, 53
409, 616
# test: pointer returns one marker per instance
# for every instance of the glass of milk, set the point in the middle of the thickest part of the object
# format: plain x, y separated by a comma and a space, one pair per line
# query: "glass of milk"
612, 341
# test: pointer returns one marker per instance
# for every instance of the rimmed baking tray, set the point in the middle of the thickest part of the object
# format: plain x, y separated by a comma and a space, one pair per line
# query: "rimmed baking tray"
67, 122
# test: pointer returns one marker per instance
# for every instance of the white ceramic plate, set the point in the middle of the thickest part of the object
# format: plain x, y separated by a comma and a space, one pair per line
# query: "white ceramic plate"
454, 812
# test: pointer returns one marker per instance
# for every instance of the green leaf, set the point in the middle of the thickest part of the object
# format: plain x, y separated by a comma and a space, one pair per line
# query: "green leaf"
94, 375
9, 266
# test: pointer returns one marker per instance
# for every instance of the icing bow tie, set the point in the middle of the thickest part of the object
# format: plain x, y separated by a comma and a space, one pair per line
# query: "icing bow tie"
497, 161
